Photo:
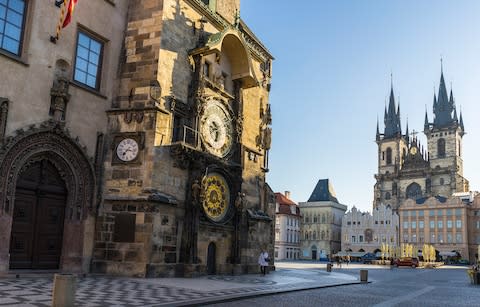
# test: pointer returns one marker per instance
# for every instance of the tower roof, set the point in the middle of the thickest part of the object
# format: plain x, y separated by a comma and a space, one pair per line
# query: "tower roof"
392, 118
443, 106
323, 192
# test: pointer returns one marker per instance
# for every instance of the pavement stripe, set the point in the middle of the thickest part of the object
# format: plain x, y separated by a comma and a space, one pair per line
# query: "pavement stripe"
404, 298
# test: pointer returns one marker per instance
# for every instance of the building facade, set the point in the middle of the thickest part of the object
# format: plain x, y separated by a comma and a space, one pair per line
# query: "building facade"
406, 169
322, 222
451, 225
148, 132
365, 232
287, 227
53, 98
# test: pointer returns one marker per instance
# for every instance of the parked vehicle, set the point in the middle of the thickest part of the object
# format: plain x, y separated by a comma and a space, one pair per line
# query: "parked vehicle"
368, 258
406, 261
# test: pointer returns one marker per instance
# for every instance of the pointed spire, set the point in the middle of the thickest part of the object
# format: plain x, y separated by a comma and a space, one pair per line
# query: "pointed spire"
392, 118
378, 131
455, 118
443, 106
461, 121
426, 125
407, 134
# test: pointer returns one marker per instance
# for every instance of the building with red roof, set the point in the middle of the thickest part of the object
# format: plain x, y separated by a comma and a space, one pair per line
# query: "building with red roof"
287, 227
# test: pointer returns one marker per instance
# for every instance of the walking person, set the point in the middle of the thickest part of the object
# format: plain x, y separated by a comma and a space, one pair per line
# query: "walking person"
263, 261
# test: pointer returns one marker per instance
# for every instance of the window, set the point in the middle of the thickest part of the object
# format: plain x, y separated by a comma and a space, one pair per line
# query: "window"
432, 212
432, 238
432, 224
405, 225
88, 60
414, 238
442, 181
349, 223
360, 238
414, 191
414, 225
441, 148
449, 212
478, 224
387, 195
449, 224
12, 23
458, 238
459, 224
458, 212
124, 229
353, 239
389, 156
440, 238
421, 224
440, 224
420, 213
449, 238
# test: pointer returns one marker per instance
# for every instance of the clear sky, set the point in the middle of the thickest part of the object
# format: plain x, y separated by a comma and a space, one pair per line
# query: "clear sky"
331, 78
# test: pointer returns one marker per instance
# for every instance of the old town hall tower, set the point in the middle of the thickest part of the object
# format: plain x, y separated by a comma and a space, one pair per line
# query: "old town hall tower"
408, 170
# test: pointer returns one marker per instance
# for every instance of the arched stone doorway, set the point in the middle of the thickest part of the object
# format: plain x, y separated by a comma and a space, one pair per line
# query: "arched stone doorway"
211, 255
38, 218
69, 169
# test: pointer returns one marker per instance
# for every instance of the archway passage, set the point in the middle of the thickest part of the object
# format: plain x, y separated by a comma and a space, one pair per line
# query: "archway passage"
38, 218
211, 258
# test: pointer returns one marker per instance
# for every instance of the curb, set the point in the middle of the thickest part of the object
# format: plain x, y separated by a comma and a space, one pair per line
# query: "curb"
235, 297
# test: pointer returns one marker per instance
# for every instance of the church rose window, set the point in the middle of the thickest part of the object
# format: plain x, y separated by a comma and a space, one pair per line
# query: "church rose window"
414, 191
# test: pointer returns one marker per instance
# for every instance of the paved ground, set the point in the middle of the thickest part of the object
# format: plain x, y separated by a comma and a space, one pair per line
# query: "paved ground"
115, 291
446, 286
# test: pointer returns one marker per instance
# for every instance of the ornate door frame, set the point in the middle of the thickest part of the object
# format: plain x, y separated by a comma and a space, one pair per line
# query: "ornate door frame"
52, 143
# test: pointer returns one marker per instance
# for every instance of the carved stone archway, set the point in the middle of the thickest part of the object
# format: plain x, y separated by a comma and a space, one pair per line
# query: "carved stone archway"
51, 142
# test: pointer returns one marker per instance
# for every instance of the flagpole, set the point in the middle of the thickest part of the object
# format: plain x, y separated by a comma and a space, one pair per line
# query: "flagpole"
54, 39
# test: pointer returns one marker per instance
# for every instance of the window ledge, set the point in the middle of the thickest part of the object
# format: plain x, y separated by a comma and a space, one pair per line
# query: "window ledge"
86, 88
13, 57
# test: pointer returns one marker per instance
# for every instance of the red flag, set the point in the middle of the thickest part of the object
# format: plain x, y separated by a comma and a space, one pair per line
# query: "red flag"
68, 17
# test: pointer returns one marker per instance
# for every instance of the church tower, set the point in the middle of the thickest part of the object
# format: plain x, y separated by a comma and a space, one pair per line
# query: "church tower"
444, 137
392, 148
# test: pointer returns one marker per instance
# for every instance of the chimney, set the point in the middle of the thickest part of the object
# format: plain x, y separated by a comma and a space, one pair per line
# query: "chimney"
287, 194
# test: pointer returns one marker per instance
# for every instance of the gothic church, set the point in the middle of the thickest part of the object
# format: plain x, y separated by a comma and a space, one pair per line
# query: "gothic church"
407, 170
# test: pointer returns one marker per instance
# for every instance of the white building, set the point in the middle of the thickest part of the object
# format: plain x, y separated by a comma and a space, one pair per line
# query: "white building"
322, 222
287, 227
365, 232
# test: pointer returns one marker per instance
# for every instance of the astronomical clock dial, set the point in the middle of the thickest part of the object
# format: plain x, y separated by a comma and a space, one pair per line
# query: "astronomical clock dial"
216, 198
216, 129
413, 150
127, 150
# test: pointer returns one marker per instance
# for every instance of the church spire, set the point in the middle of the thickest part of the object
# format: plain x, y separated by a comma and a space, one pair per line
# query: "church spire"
407, 134
426, 125
443, 106
461, 121
392, 118
378, 131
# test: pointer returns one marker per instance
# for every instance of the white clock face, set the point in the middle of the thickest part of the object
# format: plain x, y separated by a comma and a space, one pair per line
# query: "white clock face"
127, 150
216, 129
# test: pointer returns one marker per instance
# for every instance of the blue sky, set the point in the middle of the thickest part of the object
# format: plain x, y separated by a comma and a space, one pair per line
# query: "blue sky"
331, 78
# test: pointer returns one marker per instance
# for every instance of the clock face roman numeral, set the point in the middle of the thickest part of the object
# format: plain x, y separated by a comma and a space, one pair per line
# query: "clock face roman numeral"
127, 150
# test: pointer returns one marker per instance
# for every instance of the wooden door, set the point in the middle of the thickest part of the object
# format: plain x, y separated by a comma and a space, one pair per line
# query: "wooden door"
39, 211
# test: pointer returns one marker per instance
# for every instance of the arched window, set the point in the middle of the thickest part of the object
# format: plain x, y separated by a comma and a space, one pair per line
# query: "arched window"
414, 191
315, 218
314, 235
389, 156
441, 148
387, 195
323, 218
323, 235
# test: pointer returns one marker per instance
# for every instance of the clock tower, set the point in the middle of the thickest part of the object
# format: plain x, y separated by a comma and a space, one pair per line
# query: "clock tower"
185, 189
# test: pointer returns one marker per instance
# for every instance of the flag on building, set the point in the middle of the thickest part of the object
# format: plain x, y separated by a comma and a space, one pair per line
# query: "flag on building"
70, 9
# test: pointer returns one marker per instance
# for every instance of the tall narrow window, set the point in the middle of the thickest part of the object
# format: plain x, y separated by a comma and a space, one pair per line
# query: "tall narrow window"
441, 148
12, 23
88, 60
389, 156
